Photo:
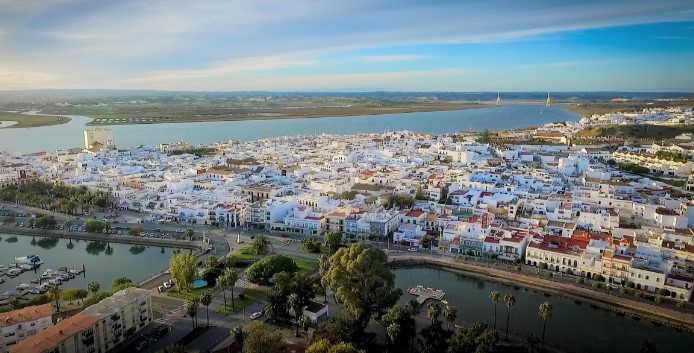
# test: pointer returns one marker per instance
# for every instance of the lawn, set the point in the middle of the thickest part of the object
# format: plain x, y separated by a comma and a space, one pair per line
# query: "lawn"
306, 265
32, 120
192, 294
246, 253
250, 296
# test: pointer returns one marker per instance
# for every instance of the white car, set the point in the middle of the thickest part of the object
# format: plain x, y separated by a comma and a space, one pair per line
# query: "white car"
256, 315
413, 249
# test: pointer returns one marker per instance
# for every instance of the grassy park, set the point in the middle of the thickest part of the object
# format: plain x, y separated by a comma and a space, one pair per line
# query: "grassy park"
25, 121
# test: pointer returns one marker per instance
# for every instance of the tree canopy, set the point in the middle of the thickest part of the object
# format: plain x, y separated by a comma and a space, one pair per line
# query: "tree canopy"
361, 280
262, 270
261, 339
182, 267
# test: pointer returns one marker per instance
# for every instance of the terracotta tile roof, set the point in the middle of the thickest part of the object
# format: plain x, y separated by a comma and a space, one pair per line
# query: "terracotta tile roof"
414, 213
54, 335
30, 313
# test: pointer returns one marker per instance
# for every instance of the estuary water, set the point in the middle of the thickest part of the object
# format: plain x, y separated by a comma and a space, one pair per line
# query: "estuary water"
574, 327
50, 138
103, 262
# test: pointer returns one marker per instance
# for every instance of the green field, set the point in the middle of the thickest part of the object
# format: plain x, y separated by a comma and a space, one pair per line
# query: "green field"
246, 253
306, 265
32, 120
250, 296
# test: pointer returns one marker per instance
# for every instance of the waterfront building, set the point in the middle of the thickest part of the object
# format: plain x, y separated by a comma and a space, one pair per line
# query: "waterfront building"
18, 325
98, 138
97, 328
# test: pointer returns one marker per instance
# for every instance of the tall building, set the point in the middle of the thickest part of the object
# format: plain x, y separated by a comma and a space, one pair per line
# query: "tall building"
98, 328
95, 139
18, 325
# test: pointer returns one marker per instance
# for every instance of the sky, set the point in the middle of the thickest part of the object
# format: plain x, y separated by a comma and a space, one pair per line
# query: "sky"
354, 45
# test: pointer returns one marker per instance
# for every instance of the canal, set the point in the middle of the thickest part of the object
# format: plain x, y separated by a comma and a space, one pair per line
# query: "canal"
573, 327
103, 262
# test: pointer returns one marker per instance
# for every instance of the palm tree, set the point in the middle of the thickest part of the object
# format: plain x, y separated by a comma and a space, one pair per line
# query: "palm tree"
305, 322
190, 233
54, 294
450, 313
206, 300
323, 268
294, 303
494, 297
192, 310
393, 331
93, 287
227, 280
433, 312
510, 300
544, 311
238, 336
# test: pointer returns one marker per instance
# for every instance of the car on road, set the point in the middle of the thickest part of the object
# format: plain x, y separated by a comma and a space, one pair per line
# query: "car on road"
256, 315
160, 331
413, 249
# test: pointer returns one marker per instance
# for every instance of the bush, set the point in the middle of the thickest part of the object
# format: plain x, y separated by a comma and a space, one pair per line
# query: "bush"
631, 284
543, 266
596, 284
658, 299
681, 304
96, 298
664, 292
517, 261
519, 268
38, 300
310, 245
579, 281
569, 271
599, 277
637, 294
622, 290
262, 270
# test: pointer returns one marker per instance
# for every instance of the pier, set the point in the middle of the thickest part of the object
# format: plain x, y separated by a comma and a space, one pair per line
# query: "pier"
423, 294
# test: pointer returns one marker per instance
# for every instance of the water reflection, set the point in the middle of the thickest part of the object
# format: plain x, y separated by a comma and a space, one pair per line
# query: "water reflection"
47, 243
137, 249
11, 240
96, 247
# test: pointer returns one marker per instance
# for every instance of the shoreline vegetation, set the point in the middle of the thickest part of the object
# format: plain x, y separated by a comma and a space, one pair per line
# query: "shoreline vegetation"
616, 304
29, 121
175, 115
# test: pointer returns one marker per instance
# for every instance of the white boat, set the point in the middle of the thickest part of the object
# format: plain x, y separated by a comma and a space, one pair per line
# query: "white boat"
75, 271
55, 281
36, 280
4, 268
31, 259
23, 286
27, 266
49, 272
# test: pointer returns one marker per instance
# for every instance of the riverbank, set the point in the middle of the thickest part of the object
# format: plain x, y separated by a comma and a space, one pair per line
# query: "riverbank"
124, 239
15, 120
594, 298
164, 115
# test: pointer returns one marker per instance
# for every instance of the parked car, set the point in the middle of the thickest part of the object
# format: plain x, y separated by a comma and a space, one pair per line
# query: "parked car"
413, 249
256, 315
160, 331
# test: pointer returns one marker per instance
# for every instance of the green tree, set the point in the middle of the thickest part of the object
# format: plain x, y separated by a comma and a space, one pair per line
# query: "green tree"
15, 304
54, 293
341, 327
192, 306
206, 300
211, 262
332, 241
323, 269
476, 338
310, 245
397, 315
260, 245
393, 331
182, 268
433, 313
73, 294
92, 226
544, 311
509, 300
494, 297
325, 346
226, 281
362, 281
433, 339
450, 313
136, 230
121, 283
238, 336
260, 339
262, 270
93, 287
294, 303
96, 298
304, 323
485, 136
190, 233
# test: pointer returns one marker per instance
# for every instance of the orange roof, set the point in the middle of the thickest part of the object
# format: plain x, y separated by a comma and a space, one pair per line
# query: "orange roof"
414, 213
29, 313
54, 335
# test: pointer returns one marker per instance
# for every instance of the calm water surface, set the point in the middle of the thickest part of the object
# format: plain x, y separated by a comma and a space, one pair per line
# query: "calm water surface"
103, 264
576, 328
50, 138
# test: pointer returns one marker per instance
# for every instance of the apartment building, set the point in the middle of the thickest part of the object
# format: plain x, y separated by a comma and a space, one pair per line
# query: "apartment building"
97, 329
17, 325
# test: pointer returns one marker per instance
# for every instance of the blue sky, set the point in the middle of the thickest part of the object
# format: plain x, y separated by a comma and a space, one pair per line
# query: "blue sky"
355, 45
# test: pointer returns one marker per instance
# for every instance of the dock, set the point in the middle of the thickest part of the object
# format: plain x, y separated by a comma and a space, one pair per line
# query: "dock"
423, 294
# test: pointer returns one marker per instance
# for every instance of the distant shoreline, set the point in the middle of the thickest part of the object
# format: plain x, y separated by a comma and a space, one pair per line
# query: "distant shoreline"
329, 113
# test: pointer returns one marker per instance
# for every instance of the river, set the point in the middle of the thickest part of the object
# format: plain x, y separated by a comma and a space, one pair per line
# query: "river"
574, 327
102, 265
50, 138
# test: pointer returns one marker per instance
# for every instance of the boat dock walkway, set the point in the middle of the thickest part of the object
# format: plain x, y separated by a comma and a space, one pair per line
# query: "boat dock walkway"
426, 293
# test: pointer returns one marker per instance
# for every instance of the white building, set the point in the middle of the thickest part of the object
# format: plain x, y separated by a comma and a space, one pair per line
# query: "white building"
95, 139
17, 325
